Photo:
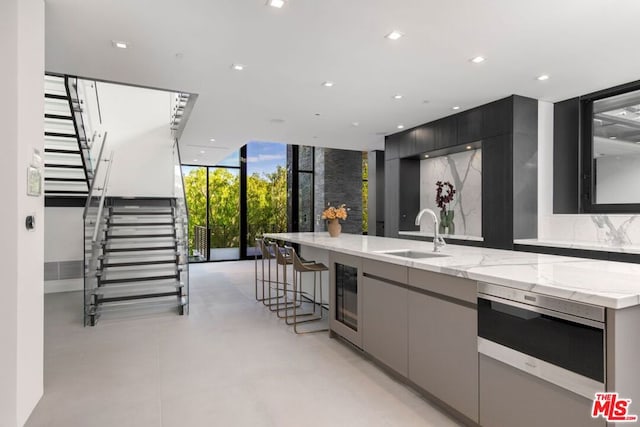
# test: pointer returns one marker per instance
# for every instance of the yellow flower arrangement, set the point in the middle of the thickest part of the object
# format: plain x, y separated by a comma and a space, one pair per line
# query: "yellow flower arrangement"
335, 213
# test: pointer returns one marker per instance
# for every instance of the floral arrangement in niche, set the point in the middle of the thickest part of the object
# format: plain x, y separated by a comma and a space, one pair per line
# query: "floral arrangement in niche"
443, 199
335, 213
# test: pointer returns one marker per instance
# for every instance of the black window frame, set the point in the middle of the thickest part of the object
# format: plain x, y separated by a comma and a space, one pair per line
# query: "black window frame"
587, 179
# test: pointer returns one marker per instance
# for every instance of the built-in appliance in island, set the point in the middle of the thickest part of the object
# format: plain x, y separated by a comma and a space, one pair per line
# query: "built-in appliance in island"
478, 330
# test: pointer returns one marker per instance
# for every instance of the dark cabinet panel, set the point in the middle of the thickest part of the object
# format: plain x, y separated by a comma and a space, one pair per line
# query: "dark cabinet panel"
470, 126
391, 197
409, 187
446, 131
425, 138
497, 192
497, 117
401, 144
407, 144
566, 146
392, 146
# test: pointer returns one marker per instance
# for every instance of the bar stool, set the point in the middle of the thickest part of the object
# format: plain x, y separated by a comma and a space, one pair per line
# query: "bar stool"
283, 260
298, 269
263, 249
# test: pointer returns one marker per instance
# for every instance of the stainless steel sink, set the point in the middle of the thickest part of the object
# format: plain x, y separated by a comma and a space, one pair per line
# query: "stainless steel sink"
408, 253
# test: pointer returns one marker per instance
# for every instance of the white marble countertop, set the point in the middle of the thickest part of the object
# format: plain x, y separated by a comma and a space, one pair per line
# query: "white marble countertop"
446, 236
603, 283
590, 246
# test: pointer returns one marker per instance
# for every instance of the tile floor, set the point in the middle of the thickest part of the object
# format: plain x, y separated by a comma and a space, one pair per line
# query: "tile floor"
229, 363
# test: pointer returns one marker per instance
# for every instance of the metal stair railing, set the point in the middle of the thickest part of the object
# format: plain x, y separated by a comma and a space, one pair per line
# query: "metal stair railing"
181, 227
93, 217
84, 134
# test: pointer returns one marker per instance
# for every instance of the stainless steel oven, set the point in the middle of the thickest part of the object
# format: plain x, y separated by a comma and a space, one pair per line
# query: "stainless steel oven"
555, 339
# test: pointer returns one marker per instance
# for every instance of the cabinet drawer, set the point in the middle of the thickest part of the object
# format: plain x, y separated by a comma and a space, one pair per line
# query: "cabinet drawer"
449, 286
384, 270
510, 397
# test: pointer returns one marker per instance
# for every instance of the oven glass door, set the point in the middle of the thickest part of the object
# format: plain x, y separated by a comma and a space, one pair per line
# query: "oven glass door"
570, 345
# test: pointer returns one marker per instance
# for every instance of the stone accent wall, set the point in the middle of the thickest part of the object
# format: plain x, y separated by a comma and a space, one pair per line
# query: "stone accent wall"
338, 176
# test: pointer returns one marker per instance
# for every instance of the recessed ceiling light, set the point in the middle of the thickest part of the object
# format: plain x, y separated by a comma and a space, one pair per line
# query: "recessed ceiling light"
426, 156
327, 84
478, 59
195, 160
400, 126
394, 35
276, 3
398, 96
543, 77
201, 151
613, 137
457, 107
120, 44
212, 140
238, 67
468, 147
356, 124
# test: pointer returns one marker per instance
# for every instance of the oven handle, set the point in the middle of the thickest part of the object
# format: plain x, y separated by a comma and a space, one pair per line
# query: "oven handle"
536, 309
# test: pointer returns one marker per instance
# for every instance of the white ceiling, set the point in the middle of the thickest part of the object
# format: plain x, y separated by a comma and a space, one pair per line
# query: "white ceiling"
190, 45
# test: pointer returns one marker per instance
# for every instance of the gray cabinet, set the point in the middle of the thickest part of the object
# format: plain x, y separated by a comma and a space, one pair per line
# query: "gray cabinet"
443, 353
384, 323
510, 397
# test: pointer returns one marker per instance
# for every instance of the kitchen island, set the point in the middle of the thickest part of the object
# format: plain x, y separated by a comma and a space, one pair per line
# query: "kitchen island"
424, 317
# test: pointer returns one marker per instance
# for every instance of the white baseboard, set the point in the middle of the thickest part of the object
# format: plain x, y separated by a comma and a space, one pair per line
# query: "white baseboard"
53, 286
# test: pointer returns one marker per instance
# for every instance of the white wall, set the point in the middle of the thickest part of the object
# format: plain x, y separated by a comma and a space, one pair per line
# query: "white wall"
63, 236
545, 163
137, 122
21, 256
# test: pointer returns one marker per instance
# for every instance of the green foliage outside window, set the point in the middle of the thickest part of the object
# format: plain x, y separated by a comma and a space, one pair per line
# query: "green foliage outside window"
266, 204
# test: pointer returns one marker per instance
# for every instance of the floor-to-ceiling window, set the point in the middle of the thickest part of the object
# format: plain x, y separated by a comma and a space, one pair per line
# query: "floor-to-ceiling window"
235, 201
213, 199
266, 190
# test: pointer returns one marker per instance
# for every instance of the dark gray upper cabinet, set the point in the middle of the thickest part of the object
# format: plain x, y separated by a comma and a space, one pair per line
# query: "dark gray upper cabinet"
391, 146
470, 126
425, 138
497, 117
398, 145
407, 143
446, 132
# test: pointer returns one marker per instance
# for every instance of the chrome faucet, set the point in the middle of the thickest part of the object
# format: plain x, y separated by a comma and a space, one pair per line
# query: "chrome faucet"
438, 241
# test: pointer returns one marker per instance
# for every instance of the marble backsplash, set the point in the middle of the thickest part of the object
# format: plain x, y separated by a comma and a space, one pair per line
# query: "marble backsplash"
464, 171
611, 230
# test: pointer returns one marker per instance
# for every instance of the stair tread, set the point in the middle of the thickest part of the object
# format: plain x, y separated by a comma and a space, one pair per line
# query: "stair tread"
57, 116
135, 263
60, 179
62, 166
138, 236
61, 151
55, 96
141, 248
138, 224
139, 279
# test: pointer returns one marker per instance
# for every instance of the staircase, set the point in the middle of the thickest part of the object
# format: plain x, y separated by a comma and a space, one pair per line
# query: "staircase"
67, 173
140, 265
